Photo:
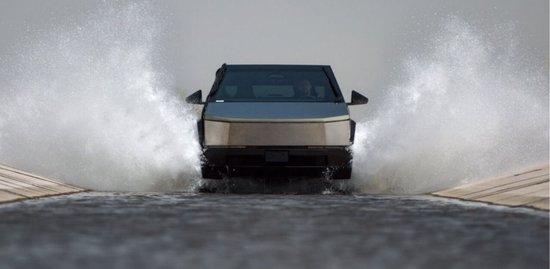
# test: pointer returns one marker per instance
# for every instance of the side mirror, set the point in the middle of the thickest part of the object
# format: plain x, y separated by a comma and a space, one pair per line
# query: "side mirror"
357, 99
195, 98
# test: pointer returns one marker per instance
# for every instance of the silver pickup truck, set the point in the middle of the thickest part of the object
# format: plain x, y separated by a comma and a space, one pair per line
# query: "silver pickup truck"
276, 120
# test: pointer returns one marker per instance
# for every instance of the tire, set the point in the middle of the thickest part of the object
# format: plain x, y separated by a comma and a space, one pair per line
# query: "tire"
210, 172
343, 172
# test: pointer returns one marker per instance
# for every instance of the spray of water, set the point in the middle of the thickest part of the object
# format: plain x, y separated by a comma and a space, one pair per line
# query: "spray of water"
466, 110
84, 103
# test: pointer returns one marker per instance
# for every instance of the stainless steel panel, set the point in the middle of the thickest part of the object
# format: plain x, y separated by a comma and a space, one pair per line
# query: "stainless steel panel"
216, 133
337, 133
277, 111
277, 133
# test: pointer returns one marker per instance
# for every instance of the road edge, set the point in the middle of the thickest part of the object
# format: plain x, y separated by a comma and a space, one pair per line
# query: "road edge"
18, 185
527, 188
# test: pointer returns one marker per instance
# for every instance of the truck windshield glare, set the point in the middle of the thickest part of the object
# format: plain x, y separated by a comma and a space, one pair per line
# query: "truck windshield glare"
288, 85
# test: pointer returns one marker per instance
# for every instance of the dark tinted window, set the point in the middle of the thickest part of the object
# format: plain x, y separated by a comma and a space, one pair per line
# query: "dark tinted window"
288, 85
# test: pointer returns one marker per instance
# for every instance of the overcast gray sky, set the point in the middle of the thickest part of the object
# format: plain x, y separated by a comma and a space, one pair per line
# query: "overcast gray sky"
364, 41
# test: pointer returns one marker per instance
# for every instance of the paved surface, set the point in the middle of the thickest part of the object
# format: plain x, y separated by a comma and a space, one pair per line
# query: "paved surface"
528, 188
18, 185
105, 230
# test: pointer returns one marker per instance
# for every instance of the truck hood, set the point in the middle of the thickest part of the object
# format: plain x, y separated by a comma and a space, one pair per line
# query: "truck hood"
276, 112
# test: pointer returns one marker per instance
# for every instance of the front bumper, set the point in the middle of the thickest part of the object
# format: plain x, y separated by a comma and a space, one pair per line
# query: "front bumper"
275, 161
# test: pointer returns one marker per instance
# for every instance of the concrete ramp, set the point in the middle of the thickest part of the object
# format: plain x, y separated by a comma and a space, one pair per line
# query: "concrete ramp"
18, 185
528, 188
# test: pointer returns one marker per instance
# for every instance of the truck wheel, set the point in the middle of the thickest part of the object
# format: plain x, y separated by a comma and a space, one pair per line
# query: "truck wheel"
343, 172
210, 172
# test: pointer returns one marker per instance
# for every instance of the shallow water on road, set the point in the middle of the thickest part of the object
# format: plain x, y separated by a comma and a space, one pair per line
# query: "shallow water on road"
148, 230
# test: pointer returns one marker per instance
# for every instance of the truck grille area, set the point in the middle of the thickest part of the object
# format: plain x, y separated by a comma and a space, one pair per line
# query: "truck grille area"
284, 156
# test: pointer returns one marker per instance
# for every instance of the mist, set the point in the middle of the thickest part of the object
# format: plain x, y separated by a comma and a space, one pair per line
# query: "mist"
464, 111
91, 92
85, 104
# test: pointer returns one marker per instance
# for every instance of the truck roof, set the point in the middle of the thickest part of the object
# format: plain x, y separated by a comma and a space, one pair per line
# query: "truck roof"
273, 66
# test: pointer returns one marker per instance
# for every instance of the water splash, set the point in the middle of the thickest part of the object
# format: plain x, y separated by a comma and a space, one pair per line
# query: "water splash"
468, 109
84, 103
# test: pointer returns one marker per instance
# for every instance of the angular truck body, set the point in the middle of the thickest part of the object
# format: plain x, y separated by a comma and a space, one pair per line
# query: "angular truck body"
276, 120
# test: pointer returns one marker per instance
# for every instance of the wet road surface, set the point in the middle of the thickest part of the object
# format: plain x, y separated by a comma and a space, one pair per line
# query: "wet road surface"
106, 230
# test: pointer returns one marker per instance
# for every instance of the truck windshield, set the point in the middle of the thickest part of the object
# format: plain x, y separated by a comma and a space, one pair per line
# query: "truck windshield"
288, 85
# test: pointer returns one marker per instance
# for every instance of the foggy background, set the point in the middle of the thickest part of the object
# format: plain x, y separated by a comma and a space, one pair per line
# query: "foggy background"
364, 41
